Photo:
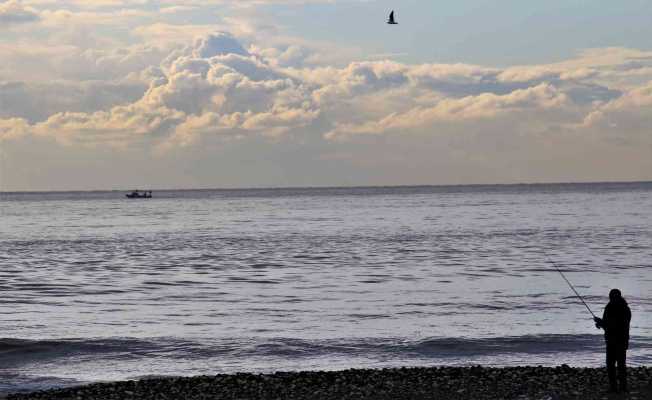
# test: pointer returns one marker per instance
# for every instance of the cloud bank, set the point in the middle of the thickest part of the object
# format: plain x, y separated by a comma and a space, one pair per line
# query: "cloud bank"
160, 97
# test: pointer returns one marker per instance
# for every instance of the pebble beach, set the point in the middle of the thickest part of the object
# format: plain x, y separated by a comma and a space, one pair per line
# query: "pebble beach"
451, 383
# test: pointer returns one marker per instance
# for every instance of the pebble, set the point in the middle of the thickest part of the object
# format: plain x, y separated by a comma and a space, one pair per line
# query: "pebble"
450, 383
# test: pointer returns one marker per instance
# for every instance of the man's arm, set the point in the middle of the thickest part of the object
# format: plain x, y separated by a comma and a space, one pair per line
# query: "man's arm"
599, 322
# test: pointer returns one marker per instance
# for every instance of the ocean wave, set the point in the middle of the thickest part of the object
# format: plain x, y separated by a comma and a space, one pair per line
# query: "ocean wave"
23, 351
27, 364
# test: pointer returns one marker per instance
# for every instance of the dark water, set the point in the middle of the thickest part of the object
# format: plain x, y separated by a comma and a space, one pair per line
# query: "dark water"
99, 287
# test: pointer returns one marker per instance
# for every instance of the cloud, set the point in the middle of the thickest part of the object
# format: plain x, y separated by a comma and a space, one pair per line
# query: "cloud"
470, 108
118, 127
626, 120
214, 87
201, 87
176, 5
36, 102
218, 87
14, 12
177, 9
171, 33
218, 44
13, 128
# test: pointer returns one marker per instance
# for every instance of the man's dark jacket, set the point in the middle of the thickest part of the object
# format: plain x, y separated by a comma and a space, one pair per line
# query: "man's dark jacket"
615, 322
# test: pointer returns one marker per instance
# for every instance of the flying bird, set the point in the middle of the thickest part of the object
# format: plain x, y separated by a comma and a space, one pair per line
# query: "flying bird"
391, 20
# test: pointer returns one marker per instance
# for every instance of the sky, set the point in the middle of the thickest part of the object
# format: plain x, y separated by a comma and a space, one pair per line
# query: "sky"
117, 94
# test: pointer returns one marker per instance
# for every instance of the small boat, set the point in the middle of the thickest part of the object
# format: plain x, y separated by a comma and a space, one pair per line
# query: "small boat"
137, 194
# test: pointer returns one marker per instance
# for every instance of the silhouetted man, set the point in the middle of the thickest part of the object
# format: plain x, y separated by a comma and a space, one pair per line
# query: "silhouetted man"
615, 322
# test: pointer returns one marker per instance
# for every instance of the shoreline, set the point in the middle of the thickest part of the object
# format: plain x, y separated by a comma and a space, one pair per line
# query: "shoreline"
462, 383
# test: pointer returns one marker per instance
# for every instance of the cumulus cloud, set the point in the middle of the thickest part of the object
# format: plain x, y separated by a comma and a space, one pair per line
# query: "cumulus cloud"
218, 87
120, 126
626, 120
199, 85
483, 106
218, 44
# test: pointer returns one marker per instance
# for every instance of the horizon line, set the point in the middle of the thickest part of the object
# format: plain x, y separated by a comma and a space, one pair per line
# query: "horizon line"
329, 187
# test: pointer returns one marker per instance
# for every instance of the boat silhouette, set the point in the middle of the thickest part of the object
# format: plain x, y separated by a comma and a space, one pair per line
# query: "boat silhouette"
137, 194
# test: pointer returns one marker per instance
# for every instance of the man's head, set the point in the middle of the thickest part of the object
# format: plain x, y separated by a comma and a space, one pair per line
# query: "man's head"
615, 295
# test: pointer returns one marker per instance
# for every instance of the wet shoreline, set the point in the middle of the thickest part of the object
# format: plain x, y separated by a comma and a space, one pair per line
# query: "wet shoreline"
452, 383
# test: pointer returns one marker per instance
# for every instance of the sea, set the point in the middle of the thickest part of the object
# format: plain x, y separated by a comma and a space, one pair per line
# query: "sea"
98, 287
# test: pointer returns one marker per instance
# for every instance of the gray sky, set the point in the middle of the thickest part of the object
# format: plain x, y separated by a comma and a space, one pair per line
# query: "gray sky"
116, 94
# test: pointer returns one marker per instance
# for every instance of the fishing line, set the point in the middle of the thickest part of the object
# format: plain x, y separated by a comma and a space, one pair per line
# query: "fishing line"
568, 282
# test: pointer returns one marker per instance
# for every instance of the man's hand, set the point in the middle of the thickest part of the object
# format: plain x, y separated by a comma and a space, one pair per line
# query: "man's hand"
598, 322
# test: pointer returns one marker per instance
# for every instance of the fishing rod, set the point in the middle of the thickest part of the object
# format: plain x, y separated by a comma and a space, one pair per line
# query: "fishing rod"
569, 284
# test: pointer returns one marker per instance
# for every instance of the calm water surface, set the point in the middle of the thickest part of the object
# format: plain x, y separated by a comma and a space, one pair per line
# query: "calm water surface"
99, 287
